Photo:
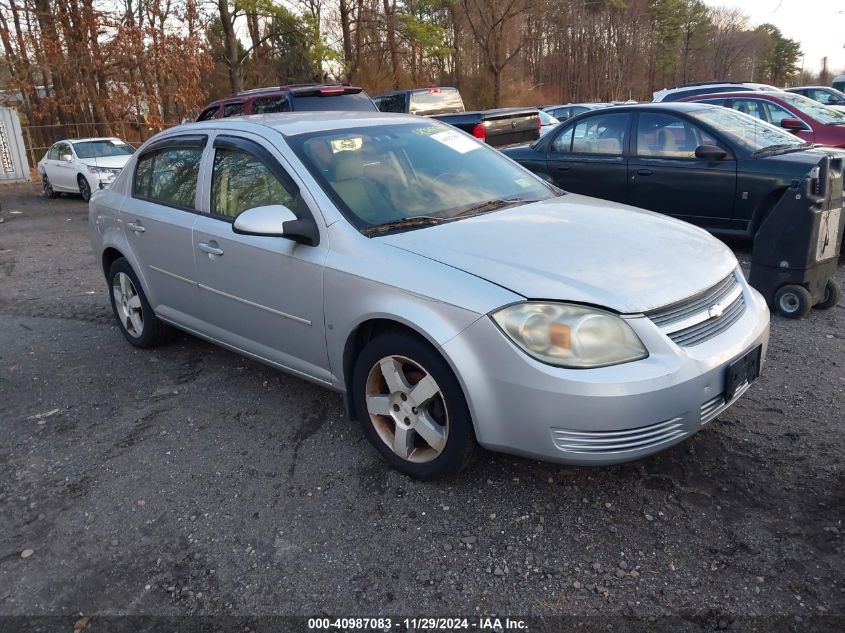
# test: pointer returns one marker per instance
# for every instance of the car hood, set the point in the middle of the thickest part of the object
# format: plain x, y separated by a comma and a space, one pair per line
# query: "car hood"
118, 162
581, 249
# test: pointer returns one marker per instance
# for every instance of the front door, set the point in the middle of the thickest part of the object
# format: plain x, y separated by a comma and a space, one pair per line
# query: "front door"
664, 174
587, 156
63, 172
263, 295
158, 218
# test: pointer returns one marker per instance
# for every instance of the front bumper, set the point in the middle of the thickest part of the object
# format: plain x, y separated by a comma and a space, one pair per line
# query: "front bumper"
606, 415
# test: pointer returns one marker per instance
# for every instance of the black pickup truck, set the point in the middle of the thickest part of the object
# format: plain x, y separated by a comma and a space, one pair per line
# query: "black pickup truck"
502, 126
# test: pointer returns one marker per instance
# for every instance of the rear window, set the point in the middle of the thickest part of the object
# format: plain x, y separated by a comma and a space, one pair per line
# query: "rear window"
391, 103
208, 113
436, 101
333, 101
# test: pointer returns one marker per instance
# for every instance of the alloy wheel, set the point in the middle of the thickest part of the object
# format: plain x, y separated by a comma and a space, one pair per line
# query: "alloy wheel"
407, 409
127, 303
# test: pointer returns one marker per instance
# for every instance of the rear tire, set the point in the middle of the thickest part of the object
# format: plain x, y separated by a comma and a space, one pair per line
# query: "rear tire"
793, 301
411, 407
84, 187
132, 311
832, 295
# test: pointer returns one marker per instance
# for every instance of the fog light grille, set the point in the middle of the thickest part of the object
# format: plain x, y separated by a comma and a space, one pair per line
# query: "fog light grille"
610, 442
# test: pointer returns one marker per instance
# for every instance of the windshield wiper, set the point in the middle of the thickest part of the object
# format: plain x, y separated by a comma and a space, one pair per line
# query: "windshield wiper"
781, 146
490, 205
416, 221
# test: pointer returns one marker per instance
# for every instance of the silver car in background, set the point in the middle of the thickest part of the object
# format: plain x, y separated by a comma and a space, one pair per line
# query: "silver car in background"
454, 298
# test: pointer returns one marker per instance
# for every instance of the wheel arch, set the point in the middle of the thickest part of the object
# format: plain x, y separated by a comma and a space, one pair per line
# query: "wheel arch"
366, 331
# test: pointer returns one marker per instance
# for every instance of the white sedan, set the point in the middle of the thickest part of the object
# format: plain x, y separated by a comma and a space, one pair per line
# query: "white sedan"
82, 165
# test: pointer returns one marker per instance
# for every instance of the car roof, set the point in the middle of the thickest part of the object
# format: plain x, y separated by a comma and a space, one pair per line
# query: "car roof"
806, 87
740, 93
90, 138
276, 90
676, 106
294, 123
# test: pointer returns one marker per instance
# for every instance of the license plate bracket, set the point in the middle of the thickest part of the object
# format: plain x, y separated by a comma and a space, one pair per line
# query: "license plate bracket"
744, 369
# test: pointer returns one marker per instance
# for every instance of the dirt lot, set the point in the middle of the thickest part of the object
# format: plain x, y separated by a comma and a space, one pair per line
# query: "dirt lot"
190, 480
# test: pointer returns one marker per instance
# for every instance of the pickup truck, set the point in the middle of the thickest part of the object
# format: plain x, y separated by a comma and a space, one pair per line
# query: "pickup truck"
499, 127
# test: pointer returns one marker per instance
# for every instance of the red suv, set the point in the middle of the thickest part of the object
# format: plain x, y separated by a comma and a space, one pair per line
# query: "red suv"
294, 98
811, 120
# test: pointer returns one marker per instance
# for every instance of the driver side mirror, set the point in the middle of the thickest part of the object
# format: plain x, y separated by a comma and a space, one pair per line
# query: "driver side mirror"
710, 152
276, 220
791, 124
66, 158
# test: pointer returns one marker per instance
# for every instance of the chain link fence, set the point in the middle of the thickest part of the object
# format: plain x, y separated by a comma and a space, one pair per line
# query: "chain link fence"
39, 138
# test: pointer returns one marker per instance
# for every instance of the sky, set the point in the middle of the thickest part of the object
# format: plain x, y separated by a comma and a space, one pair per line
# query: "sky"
819, 25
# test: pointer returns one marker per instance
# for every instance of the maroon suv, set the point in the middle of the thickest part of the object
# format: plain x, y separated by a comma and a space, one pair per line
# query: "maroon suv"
294, 98
808, 119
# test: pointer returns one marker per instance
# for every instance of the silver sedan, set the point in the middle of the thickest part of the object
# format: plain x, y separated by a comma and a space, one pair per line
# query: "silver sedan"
454, 298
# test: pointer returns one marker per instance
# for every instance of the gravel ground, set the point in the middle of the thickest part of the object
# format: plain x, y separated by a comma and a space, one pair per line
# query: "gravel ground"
189, 480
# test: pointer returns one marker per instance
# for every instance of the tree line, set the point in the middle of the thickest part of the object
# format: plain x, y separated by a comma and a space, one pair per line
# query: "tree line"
157, 62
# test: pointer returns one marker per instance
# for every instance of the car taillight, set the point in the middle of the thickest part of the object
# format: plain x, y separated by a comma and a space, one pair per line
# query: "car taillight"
434, 89
539, 124
479, 131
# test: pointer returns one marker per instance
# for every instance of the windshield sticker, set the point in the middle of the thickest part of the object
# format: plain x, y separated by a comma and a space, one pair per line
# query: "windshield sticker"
456, 141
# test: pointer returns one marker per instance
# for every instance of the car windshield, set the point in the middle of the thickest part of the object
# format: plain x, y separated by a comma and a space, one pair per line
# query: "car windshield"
424, 171
747, 131
100, 149
814, 109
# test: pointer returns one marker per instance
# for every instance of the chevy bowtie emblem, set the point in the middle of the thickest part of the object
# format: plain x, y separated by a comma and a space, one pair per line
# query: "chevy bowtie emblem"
715, 311
513, 125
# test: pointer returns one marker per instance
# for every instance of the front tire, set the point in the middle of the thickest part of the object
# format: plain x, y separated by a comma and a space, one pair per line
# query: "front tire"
132, 311
48, 187
84, 187
832, 295
793, 301
411, 407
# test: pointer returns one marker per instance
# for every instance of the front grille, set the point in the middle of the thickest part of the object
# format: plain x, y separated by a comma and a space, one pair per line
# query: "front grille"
703, 316
610, 442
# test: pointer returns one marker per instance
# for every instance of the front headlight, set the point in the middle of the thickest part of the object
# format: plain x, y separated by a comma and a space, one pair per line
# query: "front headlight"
569, 335
102, 170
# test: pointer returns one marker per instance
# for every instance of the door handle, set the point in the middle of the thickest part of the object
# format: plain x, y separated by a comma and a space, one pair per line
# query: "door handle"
564, 168
645, 172
210, 247
136, 227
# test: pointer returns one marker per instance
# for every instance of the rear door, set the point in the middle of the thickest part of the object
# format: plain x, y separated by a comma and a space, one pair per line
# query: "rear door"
263, 295
587, 156
664, 174
158, 218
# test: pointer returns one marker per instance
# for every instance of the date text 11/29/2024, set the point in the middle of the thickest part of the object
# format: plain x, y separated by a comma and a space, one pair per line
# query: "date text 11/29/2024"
417, 624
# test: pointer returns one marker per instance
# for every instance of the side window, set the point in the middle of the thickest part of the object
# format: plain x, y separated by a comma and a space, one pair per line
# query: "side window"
750, 106
240, 181
64, 151
266, 105
233, 109
669, 136
53, 154
561, 114
822, 96
777, 113
600, 134
392, 103
563, 143
169, 176
208, 113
